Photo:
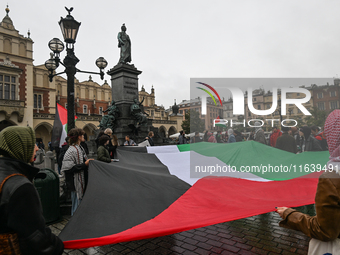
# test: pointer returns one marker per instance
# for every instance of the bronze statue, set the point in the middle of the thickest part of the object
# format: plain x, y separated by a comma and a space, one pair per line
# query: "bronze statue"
108, 121
124, 44
136, 110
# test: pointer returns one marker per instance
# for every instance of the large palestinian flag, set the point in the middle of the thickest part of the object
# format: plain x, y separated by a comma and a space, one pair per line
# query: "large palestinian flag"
59, 131
159, 190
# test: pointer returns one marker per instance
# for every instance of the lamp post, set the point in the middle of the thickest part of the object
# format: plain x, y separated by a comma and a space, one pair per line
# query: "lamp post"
69, 28
279, 109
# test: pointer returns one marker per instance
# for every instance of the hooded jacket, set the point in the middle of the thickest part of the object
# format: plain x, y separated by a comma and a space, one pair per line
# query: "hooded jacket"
274, 136
20, 207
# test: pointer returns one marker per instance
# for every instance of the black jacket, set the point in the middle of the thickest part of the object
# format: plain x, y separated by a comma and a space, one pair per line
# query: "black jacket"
21, 211
310, 144
286, 142
150, 141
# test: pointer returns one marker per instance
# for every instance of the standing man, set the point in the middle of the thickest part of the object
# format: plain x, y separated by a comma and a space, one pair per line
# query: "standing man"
308, 142
286, 142
295, 133
259, 133
124, 44
273, 137
181, 138
196, 138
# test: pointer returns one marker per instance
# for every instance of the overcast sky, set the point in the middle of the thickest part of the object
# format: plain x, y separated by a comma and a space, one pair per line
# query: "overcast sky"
173, 41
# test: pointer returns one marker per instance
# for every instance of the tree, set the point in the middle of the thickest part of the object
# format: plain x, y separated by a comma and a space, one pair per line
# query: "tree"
317, 118
193, 122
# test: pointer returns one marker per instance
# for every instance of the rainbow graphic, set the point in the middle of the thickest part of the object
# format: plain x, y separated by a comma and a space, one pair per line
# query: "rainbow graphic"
208, 92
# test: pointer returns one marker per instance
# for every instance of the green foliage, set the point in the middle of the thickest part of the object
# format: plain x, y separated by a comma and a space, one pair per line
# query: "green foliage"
193, 122
317, 118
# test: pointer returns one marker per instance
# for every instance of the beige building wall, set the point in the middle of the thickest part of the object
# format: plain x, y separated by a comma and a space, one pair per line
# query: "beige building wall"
16, 60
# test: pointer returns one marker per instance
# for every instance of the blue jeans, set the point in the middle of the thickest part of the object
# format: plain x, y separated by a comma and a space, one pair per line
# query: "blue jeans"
75, 202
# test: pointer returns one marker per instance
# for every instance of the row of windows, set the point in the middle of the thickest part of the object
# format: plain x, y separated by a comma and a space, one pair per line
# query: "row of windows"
87, 92
331, 94
8, 87
332, 105
152, 113
85, 109
38, 104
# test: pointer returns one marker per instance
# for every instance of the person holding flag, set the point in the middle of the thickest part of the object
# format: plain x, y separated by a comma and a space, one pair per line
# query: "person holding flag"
325, 226
75, 166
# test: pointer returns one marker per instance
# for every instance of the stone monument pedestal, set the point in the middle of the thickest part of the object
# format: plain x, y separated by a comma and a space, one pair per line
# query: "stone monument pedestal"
124, 83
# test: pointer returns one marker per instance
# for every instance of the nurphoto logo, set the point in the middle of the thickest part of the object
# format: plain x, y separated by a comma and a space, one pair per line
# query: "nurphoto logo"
239, 99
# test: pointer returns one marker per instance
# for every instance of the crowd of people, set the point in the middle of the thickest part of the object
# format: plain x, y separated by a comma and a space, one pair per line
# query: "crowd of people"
22, 223
292, 139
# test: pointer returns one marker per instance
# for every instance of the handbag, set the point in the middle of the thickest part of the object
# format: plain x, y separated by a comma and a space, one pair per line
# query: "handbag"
317, 247
9, 243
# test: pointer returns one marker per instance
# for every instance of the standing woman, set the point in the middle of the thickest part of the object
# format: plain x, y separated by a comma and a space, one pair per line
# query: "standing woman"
75, 166
110, 147
149, 138
22, 224
102, 152
115, 144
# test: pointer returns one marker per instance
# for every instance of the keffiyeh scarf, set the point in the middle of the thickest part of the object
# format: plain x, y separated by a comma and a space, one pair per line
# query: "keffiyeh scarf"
332, 130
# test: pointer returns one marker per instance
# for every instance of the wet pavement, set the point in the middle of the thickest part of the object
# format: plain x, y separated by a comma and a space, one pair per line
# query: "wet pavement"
259, 234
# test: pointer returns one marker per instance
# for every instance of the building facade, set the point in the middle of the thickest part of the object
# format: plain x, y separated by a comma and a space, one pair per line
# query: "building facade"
326, 98
166, 122
28, 98
213, 111
16, 76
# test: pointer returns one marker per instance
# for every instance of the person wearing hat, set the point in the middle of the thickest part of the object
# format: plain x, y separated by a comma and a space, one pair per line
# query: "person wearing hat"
22, 225
286, 142
308, 142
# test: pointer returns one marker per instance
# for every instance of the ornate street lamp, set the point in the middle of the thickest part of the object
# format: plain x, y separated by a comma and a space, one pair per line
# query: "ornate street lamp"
69, 28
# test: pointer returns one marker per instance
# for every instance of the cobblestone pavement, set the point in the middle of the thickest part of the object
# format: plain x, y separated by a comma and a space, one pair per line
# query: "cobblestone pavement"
259, 234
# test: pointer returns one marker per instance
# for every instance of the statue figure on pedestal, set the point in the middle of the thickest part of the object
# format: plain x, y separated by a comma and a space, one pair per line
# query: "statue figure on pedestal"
124, 44
136, 110
108, 121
